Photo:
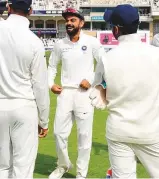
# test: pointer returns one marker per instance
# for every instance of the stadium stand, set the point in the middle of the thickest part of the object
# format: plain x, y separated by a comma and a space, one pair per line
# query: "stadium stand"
115, 2
155, 4
61, 4
54, 4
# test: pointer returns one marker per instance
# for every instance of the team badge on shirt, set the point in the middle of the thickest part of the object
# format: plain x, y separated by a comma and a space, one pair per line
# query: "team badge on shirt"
84, 48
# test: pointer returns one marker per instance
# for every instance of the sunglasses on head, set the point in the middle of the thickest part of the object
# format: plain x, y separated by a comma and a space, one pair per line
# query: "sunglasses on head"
71, 10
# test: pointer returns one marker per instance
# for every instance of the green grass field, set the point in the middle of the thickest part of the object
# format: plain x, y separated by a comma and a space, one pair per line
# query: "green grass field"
99, 163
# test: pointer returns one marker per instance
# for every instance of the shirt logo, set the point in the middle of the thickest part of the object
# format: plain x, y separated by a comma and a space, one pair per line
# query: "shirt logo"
66, 49
84, 48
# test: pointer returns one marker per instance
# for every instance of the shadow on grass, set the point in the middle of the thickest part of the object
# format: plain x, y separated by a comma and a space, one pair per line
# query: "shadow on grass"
45, 164
69, 175
99, 148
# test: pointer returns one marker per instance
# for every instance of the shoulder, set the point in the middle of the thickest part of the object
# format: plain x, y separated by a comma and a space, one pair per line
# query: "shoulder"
59, 44
92, 41
90, 38
60, 41
111, 54
35, 40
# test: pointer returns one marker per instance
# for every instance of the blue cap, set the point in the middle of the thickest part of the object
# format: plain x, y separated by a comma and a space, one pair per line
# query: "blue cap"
21, 4
122, 15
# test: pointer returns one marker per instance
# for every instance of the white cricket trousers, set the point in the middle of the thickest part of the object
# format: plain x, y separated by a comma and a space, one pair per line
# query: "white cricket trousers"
18, 141
123, 159
74, 104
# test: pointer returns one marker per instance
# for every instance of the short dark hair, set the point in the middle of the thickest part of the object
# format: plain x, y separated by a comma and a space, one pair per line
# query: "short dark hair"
18, 10
130, 29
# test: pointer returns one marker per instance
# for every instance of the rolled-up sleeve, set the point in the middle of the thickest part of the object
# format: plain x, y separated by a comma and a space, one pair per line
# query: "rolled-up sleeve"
99, 75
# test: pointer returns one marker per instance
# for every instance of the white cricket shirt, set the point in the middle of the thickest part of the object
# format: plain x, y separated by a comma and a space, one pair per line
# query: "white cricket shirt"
23, 70
131, 71
77, 60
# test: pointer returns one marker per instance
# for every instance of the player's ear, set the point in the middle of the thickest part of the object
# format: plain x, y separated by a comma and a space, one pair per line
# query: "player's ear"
8, 7
82, 23
116, 29
30, 11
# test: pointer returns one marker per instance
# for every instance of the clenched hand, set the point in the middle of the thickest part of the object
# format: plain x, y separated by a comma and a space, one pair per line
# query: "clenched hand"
56, 89
85, 84
42, 132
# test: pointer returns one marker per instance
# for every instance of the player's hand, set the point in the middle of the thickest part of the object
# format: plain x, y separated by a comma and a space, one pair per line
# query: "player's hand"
56, 89
98, 97
42, 132
85, 84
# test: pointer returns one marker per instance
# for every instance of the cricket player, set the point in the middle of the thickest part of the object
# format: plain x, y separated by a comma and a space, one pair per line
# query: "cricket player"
24, 93
2, 8
155, 40
131, 73
77, 53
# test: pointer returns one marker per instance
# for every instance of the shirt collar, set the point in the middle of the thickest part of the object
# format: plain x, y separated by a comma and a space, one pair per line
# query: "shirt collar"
18, 20
129, 38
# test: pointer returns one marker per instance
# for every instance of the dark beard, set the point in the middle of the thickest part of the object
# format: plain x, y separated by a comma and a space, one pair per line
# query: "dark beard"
73, 32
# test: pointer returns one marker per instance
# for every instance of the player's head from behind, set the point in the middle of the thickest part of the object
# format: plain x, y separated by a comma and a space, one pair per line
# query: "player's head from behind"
20, 7
74, 21
124, 20
3, 7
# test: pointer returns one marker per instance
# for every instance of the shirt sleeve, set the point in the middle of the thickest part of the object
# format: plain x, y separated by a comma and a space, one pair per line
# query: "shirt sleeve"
98, 50
39, 80
99, 78
52, 67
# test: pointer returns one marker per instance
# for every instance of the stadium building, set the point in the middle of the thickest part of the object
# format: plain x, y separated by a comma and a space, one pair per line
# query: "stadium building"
155, 16
47, 22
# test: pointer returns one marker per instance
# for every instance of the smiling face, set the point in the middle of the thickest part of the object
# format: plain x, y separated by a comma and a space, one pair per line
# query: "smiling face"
73, 25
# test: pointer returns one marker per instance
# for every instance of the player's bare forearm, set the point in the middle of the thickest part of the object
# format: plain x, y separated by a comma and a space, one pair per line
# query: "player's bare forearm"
102, 91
